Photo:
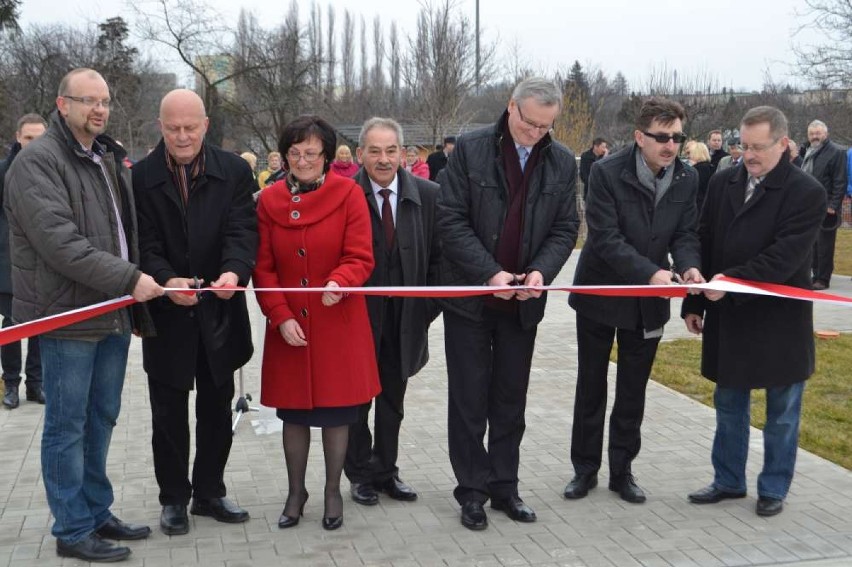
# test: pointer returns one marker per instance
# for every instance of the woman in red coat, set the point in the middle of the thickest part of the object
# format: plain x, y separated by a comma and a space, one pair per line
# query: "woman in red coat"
414, 164
319, 363
343, 164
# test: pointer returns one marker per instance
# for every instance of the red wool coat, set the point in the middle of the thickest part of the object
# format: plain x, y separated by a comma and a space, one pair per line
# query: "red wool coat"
305, 241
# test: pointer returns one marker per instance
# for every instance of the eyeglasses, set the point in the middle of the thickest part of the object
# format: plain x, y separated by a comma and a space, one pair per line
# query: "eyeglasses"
90, 101
757, 148
664, 138
309, 157
533, 124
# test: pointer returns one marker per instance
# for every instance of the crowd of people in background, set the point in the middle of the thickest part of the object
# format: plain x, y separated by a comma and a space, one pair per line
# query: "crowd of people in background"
184, 226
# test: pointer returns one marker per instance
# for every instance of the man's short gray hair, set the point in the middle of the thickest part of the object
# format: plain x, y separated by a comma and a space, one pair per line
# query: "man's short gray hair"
818, 124
379, 122
543, 91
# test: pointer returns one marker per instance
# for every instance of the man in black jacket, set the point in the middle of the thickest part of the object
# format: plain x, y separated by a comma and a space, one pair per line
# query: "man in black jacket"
407, 252
640, 207
507, 215
599, 150
30, 127
197, 227
826, 161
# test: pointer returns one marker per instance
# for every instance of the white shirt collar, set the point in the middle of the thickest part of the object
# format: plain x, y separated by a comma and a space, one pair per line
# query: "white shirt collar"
392, 186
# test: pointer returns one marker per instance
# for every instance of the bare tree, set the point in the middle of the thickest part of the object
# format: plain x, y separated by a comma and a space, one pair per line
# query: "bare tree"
274, 74
439, 68
828, 64
315, 47
378, 82
202, 40
347, 55
331, 61
395, 69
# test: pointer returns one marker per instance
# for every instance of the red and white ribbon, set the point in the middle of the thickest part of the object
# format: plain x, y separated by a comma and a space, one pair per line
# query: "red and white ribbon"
728, 285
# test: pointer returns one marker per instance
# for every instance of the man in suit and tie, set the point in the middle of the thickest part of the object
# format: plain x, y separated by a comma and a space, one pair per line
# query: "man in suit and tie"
407, 252
758, 223
733, 160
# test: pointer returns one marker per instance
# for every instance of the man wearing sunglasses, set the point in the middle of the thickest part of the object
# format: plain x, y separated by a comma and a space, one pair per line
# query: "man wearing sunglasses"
506, 215
640, 208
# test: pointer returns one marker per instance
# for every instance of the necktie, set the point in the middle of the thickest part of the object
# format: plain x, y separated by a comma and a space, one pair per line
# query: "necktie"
523, 154
387, 217
752, 183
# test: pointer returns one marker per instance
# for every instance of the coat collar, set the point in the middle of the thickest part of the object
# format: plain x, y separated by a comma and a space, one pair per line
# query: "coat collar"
160, 173
406, 185
58, 125
774, 180
628, 173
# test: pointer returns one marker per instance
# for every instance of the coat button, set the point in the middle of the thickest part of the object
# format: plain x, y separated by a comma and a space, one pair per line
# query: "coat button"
301, 252
295, 215
304, 282
191, 314
296, 199
304, 312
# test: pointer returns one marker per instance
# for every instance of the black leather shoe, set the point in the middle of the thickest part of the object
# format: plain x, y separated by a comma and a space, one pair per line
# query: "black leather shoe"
285, 521
819, 285
10, 398
627, 488
173, 519
93, 549
769, 506
364, 494
396, 489
473, 515
711, 495
116, 529
515, 509
220, 509
580, 486
331, 524
35, 394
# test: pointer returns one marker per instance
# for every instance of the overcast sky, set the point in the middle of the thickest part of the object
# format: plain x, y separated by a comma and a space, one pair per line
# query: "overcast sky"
733, 41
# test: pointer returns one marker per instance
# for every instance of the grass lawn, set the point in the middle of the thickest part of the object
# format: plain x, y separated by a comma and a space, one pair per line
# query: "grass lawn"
843, 252
826, 428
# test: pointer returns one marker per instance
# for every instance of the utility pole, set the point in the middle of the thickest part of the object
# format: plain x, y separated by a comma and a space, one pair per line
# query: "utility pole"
477, 48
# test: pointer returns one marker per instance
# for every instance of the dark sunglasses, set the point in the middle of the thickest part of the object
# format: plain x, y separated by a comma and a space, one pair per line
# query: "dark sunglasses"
664, 138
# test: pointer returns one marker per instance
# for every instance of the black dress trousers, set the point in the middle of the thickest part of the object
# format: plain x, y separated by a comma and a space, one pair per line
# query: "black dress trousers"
635, 359
170, 440
488, 370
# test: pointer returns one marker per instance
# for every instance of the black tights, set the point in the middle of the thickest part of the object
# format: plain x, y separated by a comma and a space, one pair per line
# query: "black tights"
297, 442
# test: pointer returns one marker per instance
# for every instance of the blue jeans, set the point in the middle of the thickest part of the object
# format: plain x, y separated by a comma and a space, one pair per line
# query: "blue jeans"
82, 383
780, 439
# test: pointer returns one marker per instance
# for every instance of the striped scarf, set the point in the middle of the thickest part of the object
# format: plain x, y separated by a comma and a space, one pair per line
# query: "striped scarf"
185, 177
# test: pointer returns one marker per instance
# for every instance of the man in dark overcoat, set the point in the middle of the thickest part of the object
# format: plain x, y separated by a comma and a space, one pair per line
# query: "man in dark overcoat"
826, 161
407, 253
759, 223
640, 208
197, 228
507, 214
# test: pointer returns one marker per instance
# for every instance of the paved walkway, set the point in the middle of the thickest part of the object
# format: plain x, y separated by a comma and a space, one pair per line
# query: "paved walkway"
815, 529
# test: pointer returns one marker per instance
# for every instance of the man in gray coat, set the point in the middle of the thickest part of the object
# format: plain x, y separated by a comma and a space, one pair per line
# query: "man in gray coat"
407, 252
640, 207
72, 222
758, 223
